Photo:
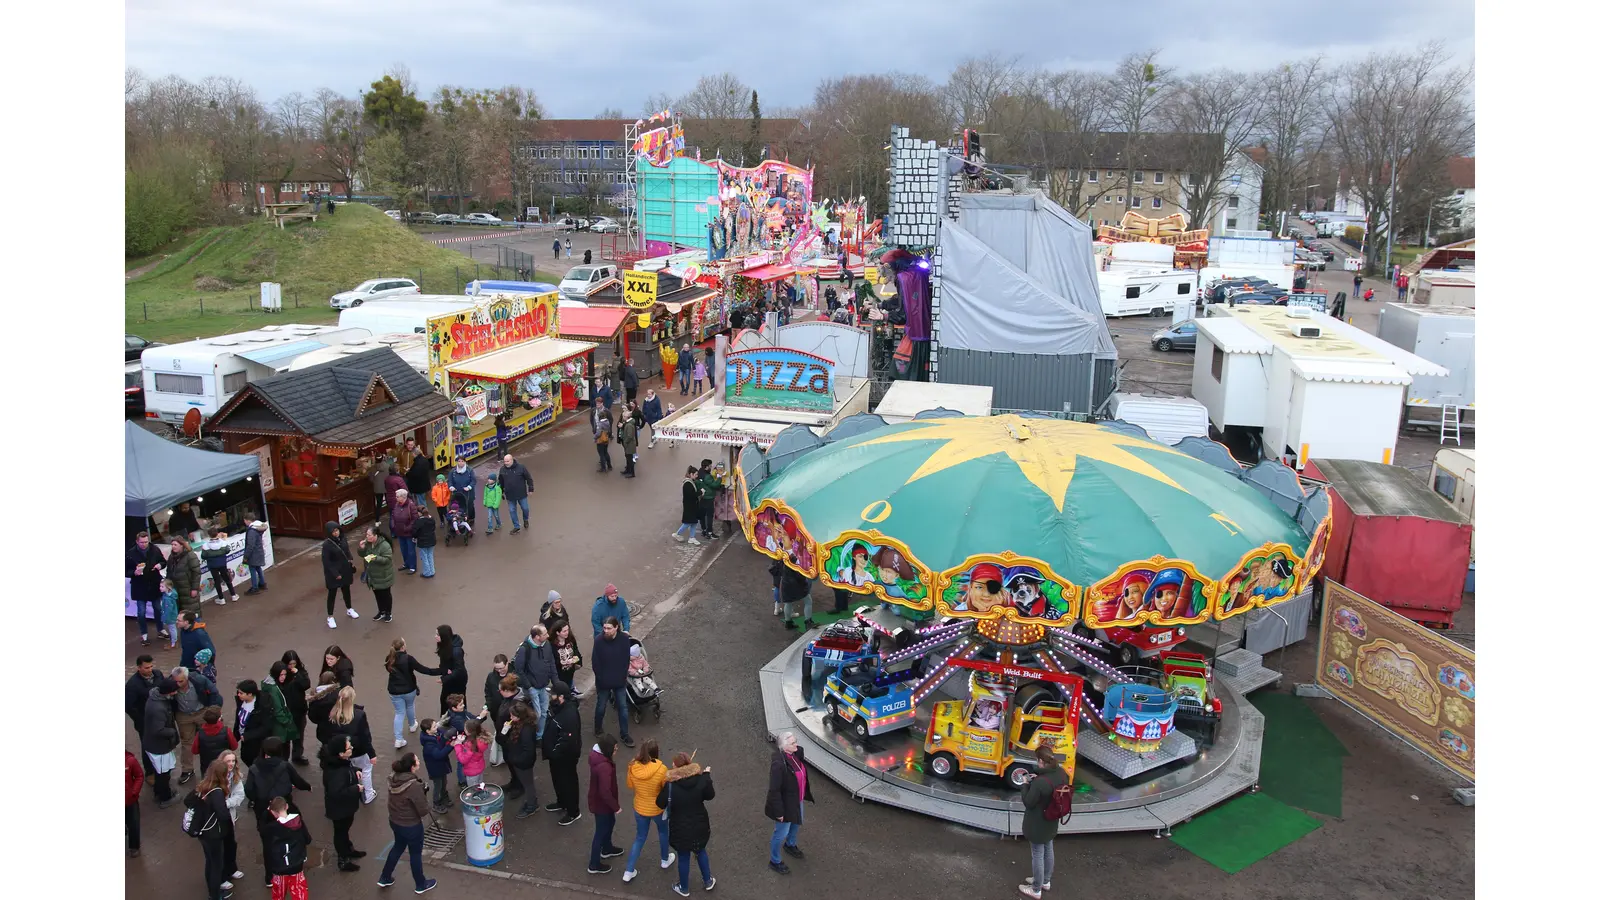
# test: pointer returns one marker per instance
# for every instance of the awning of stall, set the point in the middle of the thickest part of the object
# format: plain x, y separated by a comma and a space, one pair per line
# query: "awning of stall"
678, 301
593, 322
159, 472
767, 273
514, 362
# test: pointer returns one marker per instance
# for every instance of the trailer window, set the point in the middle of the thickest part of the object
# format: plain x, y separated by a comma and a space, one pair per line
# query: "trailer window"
1184, 288
167, 383
1216, 364
1444, 484
1133, 292
234, 382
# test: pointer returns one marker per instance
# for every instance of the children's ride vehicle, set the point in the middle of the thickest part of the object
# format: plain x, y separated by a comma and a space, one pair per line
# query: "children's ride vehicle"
999, 729
1130, 645
868, 700
1188, 677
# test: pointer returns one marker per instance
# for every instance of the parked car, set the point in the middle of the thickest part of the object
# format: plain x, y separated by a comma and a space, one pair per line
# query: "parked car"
577, 223
605, 225
373, 289
134, 346
480, 218
1311, 260
1175, 337
393, 214
133, 389
421, 218
1323, 250
447, 219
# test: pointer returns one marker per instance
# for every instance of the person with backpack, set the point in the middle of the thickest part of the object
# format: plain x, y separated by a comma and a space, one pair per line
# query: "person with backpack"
1045, 801
214, 553
535, 667
271, 777
287, 839
212, 739
252, 721
206, 819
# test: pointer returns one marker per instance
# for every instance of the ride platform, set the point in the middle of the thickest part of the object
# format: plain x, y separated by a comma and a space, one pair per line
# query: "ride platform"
887, 768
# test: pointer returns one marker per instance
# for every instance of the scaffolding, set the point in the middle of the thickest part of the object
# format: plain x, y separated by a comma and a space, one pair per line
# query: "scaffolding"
630, 196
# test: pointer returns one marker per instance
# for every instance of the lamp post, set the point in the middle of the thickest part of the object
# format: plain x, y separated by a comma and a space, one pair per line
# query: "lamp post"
1394, 166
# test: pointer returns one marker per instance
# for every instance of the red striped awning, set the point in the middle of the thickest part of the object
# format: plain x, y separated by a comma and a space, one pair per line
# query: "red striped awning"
593, 321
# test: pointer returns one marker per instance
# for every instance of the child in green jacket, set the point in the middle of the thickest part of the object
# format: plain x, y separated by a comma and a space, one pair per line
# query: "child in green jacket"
492, 495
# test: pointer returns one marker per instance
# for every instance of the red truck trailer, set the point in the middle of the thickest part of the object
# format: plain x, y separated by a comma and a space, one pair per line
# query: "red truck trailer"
1394, 540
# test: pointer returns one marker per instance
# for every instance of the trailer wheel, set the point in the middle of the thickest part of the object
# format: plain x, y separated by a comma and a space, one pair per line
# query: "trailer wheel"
1157, 312
942, 764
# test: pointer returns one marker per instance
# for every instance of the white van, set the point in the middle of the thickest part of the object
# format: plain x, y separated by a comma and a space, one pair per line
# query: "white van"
585, 280
405, 316
1138, 292
202, 374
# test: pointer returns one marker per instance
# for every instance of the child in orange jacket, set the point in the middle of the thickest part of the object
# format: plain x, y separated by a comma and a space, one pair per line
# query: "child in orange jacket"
440, 495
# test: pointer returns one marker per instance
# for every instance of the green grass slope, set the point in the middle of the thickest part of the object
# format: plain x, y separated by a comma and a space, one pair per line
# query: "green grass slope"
220, 270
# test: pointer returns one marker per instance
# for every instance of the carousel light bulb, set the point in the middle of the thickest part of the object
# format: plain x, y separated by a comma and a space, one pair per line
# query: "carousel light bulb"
224, 490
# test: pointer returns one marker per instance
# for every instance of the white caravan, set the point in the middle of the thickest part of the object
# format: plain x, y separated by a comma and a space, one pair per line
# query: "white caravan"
1138, 292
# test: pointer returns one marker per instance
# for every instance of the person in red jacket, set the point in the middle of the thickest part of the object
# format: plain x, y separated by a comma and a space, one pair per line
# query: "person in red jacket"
603, 803
133, 784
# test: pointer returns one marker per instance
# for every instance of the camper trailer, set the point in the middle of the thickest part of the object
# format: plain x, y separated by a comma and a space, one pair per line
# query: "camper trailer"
1452, 477
408, 316
202, 374
1138, 292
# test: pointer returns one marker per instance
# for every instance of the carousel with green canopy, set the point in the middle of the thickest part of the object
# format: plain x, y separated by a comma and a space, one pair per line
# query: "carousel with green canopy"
1036, 535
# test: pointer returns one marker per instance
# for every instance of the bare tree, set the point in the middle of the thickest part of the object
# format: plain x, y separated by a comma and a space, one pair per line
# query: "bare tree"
721, 96
657, 102
1391, 115
977, 84
341, 135
850, 121
1292, 120
610, 112
1052, 124
1220, 111
1136, 91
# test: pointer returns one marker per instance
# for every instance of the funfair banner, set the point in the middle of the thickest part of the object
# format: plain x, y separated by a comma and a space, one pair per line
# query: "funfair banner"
779, 378
497, 322
1411, 681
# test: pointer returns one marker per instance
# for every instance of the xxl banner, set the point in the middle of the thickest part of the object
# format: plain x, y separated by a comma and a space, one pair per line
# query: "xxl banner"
1405, 677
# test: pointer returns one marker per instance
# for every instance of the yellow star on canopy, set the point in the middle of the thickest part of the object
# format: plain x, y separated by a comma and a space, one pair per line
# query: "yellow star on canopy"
1045, 450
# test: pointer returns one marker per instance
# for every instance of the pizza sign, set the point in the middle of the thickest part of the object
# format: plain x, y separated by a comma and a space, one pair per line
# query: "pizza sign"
779, 378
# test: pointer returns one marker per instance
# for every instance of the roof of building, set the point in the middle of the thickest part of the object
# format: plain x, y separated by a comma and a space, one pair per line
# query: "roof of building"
1352, 350
352, 401
1231, 336
1375, 489
551, 130
1463, 171
593, 321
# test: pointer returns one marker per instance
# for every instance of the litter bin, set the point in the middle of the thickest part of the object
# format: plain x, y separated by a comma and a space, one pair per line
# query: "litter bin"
482, 809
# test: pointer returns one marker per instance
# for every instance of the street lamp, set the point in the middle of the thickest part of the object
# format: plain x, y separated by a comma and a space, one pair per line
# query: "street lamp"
1394, 166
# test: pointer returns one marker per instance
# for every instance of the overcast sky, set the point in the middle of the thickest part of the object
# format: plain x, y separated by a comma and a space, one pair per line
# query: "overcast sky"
581, 56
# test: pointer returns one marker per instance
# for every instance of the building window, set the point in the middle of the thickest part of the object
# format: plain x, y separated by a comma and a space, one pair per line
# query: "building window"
322, 185
234, 382
1155, 202
287, 188
1216, 364
1137, 201
1122, 198
1233, 201
1234, 180
1094, 176
1233, 222
568, 154
167, 383
1194, 180
1106, 199
1161, 178
1461, 192
1072, 175
544, 152
1457, 222
566, 177
1138, 177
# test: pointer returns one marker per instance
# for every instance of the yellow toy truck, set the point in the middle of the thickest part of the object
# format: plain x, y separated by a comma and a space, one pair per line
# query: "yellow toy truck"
999, 728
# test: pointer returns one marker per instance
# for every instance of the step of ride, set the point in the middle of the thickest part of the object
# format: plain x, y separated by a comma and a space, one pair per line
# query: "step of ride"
1238, 662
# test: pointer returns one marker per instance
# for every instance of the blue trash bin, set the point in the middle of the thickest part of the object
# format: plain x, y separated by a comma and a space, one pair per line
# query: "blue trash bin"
482, 810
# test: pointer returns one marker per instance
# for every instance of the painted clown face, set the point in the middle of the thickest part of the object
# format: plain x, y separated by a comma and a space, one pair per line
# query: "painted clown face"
984, 591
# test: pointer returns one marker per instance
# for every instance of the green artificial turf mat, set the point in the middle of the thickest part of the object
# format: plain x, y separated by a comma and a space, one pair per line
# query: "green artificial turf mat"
1313, 783
1292, 723
1242, 831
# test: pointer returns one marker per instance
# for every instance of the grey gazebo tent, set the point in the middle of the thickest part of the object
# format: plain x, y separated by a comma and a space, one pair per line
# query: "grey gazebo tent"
161, 473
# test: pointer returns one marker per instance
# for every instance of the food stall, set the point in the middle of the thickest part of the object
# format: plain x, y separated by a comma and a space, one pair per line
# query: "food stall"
602, 326
167, 484
670, 307
319, 432
498, 362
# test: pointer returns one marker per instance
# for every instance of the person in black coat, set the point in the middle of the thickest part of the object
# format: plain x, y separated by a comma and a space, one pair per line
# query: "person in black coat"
252, 720
320, 702
294, 684
522, 753
271, 776
419, 477
403, 668
338, 569
452, 667
137, 690
691, 507
684, 797
143, 565
160, 736
209, 800
788, 784
341, 798
334, 660
515, 484
563, 746
796, 588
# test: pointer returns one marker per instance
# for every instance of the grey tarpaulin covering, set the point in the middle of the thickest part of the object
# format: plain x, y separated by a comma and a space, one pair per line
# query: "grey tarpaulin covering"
1018, 276
161, 473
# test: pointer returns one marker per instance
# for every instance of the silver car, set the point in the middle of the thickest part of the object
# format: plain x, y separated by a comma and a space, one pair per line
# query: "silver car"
1175, 337
373, 289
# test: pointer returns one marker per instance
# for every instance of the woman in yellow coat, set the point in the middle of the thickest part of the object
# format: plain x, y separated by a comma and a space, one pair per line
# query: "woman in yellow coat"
646, 776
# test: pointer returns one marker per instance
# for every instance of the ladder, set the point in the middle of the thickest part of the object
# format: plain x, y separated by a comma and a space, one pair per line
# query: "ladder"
1450, 421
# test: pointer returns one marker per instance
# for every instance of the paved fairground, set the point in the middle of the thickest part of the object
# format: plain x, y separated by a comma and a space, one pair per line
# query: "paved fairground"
704, 613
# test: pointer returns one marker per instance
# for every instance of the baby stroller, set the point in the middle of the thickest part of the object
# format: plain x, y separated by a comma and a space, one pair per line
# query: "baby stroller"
456, 524
642, 688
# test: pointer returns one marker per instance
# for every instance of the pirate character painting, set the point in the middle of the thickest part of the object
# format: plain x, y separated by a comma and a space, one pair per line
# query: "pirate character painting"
856, 569
988, 587
1264, 578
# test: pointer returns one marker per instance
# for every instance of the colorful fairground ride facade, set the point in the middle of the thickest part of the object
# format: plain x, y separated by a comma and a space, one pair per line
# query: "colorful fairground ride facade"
1059, 566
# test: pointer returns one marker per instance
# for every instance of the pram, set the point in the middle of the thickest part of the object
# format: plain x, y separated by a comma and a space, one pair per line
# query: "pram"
456, 524
642, 688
